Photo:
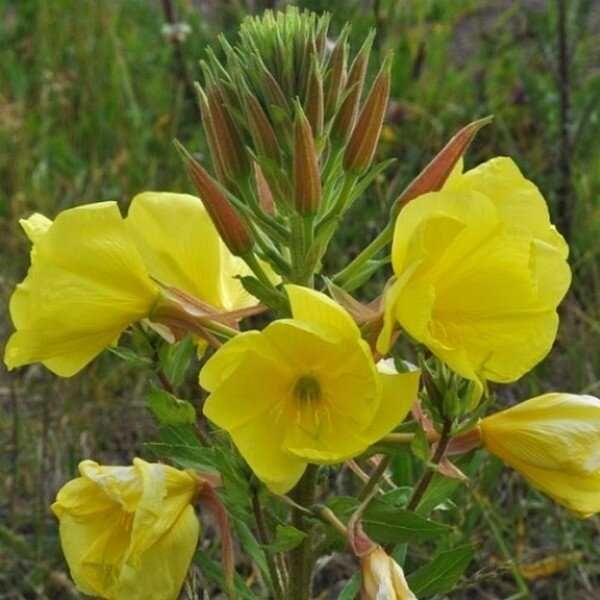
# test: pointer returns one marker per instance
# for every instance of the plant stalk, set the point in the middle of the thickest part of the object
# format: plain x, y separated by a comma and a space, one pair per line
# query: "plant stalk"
301, 560
428, 475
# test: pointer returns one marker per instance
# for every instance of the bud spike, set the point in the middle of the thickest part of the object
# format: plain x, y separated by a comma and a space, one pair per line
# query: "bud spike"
231, 227
346, 117
307, 177
434, 175
365, 136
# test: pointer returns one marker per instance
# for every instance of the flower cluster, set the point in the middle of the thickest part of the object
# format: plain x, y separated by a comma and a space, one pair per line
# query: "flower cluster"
479, 272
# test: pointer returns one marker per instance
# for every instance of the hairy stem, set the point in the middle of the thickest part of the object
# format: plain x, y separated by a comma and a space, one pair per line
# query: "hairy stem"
375, 477
301, 560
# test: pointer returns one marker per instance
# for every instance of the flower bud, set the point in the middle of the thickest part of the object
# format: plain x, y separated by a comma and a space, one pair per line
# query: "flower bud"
346, 117
227, 138
261, 130
363, 142
263, 190
231, 227
314, 103
307, 177
337, 73
434, 175
382, 577
211, 136
554, 442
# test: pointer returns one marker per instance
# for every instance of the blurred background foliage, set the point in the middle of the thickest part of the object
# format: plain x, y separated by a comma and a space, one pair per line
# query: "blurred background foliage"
92, 94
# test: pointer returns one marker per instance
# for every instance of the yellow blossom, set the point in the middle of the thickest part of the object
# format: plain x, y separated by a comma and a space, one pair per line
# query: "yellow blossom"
554, 441
303, 390
92, 272
128, 533
382, 577
480, 271
86, 284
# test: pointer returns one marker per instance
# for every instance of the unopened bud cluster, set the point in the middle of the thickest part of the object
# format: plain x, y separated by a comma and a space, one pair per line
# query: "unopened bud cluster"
286, 119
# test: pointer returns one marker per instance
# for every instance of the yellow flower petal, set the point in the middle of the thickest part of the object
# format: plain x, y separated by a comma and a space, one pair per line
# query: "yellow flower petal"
315, 307
86, 284
35, 226
554, 441
399, 393
181, 248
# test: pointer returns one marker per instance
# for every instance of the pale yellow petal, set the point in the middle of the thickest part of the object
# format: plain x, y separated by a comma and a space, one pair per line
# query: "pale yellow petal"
318, 309
257, 385
160, 571
86, 284
222, 363
398, 394
260, 441
554, 441
35, 226
181, 248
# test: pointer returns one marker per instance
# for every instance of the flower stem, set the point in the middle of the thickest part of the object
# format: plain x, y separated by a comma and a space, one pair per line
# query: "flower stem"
375, 477
428, 475
301, 560
263, 536
383, 238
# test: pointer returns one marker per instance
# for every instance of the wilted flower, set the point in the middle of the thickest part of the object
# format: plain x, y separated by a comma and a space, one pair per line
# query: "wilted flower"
128, 533
554, 441
92, 271
383, 578
480, 271
303, 390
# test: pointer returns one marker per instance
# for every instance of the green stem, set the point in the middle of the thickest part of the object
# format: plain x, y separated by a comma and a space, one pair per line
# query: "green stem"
428, 475
375, 477
380, 242
301, 560
251, 260
263, 536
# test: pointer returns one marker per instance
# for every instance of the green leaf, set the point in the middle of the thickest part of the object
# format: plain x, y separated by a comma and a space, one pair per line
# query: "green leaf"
169, 410
130, 356
441, 574
420, 446
286, 538
252, 547
213, 571
386, 523
180, 445
364, 273
175, 359
351, 588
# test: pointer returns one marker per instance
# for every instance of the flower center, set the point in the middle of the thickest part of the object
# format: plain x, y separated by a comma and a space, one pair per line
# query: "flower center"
307, 389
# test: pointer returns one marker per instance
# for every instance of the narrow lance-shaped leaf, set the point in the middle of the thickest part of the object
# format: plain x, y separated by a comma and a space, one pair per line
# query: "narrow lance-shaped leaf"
434, 175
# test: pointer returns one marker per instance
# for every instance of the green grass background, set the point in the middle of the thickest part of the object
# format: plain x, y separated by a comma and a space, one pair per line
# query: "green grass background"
91, 96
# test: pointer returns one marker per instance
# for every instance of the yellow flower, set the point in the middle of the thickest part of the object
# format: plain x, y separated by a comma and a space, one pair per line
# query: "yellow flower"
91, 275
480, 271
382, 577
303, 390
86, 284
554, 441
128, 533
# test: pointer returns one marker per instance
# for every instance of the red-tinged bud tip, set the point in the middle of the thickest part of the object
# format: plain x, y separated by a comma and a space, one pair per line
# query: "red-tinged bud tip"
365, 136
434, 175
231, 227
307, 177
